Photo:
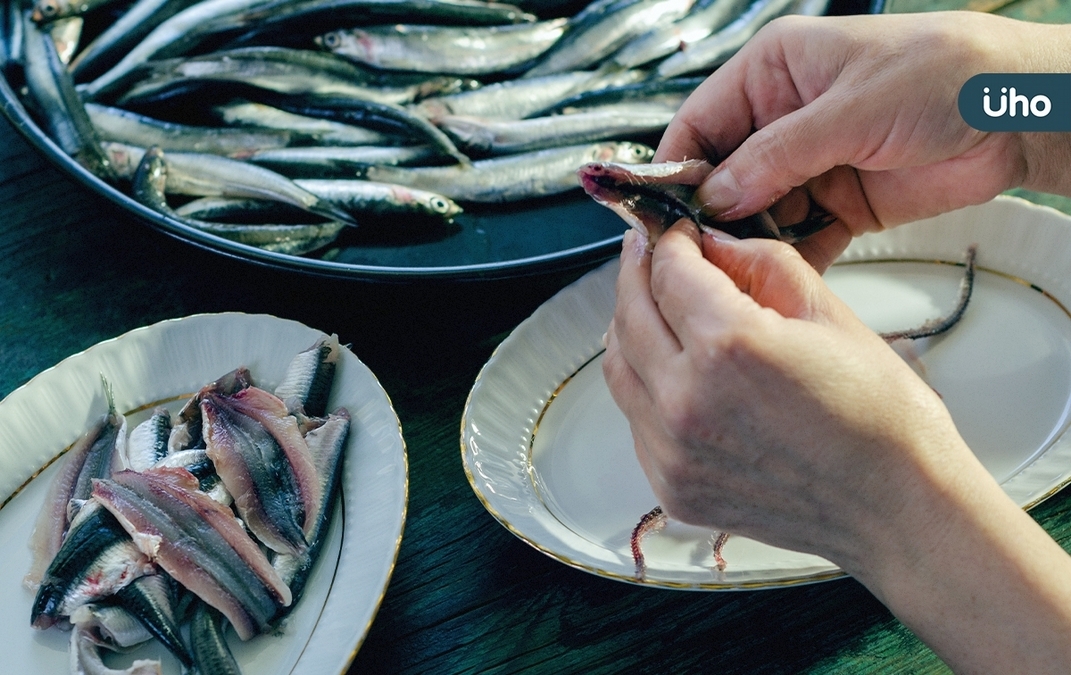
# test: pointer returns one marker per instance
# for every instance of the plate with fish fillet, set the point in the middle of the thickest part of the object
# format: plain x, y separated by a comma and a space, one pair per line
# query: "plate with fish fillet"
550, 456
219, 492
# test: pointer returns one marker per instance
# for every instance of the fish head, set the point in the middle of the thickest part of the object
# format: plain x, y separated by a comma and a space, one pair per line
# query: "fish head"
624, 153
49, 10
650, 209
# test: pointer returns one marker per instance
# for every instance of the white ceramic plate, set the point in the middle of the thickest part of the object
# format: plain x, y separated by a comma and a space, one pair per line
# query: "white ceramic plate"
550, 456
165, 363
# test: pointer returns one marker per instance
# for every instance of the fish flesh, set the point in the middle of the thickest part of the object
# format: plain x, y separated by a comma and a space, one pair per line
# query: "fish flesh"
198, 542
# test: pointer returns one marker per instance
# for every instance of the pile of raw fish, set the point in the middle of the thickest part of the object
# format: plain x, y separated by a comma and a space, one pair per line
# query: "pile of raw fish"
189, 524
281, 123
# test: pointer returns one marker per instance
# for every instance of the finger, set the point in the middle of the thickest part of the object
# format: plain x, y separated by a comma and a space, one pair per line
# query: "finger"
644, 337
775, 276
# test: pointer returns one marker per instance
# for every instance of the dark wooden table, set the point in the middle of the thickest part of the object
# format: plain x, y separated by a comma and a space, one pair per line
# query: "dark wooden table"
466, 596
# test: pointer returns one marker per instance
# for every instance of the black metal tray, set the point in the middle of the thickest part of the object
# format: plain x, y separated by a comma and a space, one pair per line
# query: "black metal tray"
555, 234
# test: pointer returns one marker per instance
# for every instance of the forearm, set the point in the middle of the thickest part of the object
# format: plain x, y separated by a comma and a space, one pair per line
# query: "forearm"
978, 580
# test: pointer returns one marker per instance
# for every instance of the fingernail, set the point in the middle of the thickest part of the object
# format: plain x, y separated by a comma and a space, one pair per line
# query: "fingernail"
605, 340
718, 235
635, 242
719, 193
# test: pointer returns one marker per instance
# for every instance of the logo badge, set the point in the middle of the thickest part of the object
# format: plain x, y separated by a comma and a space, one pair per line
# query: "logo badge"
1017, 102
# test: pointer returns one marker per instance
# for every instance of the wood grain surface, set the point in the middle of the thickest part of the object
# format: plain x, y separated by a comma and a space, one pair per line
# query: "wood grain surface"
466, 596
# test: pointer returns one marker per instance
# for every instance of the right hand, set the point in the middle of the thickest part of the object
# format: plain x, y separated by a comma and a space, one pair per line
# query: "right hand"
861, 113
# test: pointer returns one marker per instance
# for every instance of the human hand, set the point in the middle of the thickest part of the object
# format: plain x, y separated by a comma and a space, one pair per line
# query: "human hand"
772, 412
759, 405
860, 114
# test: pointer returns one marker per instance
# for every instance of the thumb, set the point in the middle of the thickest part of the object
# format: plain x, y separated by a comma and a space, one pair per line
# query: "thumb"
780, 156
776, 277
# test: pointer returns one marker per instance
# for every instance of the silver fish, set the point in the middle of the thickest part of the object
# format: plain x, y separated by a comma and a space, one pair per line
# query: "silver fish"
307, 382
123, 126
536, 133
148, 441
107, 48
284, 71
177, 28
97, 558
209, 643
710, 52
382, 199
512, 177
340, 161
594, 35
320, 131
149, 182
204, 175
654, 197
459, 50
665, 40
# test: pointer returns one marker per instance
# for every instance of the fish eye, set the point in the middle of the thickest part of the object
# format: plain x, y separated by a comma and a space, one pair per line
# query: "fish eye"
439, 205
332, 40
49, 8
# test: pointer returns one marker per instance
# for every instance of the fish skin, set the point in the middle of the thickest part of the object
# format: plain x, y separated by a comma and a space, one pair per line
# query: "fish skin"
148, 441
96, 559
254, 470
652, 197
602, 28
151, 601
477, 51
198, 542
662, 41
123, 126
149, 182
512, 177
621, 121
92, 456
327, 443
204, 175
210, 649
272, 413
306, 384
321, 132
382, 199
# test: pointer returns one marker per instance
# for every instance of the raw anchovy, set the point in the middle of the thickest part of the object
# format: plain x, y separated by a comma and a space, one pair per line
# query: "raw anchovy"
186, 430
603, 28
306, 384
318, 16
327, 444
110, 626
284, 71
128, 30
701, 22
265, 463
710, 52
320, 132
653, 201
478, 136
204, 175
148, 441
519, 98
209, 644
123, 126
198, 542
511, 177
85, 658
198, 463
47, 11
151, 178
92, 456
97, 558
65, 35
462, 50
381, 199
151, 600
181, 27
386, 117
340, 161
51, 87
666, 92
